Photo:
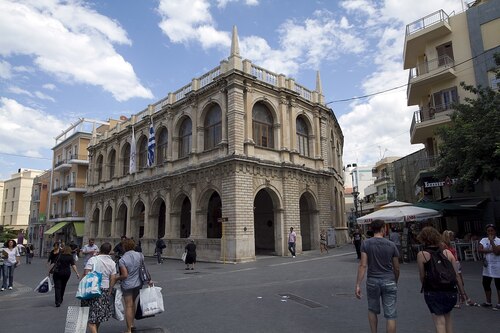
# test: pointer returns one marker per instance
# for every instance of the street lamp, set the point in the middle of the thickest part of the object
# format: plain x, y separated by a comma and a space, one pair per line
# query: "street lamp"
361, 207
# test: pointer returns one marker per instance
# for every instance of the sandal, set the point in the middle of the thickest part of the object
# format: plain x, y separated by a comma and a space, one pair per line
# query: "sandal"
470, 302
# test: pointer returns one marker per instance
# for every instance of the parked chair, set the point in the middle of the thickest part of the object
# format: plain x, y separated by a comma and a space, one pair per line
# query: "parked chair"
469, 254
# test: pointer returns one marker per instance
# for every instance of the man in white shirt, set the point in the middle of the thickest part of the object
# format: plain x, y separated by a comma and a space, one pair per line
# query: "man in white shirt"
89, 250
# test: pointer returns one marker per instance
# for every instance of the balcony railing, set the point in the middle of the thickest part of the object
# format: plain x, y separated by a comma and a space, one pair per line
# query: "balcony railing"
78, 157
428, 113
427, 21
442, 62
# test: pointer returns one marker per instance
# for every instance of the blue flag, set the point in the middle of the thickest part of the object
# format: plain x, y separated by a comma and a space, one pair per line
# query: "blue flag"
151, 145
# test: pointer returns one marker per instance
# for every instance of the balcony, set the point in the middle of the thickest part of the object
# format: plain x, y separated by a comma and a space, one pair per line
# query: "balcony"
425, 167
35, 198
62, 166
79, 159
425, 75
426, 120
77, 187
381, 180
60, 191
67, 217
420, 32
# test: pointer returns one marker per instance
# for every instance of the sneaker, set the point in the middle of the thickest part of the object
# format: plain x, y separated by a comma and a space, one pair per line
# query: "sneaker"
293, 256
486, 305
496, 307
2, 289
10, 288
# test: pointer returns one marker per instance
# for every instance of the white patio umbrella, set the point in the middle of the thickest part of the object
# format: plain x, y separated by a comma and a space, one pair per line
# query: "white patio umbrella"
398, 211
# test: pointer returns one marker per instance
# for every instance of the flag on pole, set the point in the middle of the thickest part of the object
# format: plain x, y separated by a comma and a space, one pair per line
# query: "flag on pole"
133, 153
151, 144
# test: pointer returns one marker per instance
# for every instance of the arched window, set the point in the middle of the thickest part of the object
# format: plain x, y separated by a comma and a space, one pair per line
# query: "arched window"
111, 163
262, 125
162, 145
143, 153
302, 136
125, 159
213, 127
185, 137
99, 168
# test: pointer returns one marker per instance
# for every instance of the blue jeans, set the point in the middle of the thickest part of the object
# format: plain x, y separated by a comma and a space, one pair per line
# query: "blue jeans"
385, 290
291, 248
8, 274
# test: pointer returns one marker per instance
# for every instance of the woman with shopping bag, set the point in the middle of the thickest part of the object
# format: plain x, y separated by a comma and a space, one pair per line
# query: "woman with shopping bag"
61, 272
100, 307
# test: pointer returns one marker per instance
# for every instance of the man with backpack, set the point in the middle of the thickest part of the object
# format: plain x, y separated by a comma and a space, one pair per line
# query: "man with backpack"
160, 245
439, 277
380, 257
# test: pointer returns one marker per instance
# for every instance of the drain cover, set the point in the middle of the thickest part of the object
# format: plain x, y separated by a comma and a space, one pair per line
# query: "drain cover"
301, 300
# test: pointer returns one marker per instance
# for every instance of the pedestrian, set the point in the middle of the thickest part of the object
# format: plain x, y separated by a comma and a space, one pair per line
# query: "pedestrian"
100, 308
10, 254
131, 283
440, 294
160, 245
61, 272
395, 237
30, 252
357, 238
89, 250
292, 239
448, 237
379, 259
54, 253
118, 250
490, 247
322, 241
190, 250
75, 250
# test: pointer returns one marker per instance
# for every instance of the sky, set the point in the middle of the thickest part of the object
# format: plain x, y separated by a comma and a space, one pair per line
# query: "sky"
65, 60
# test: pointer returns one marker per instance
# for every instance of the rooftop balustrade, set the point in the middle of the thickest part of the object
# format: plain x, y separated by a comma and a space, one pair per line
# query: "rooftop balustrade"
427, 21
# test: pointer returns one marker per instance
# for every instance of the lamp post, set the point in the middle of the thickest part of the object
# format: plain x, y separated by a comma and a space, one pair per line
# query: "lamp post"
360, 207
355, 194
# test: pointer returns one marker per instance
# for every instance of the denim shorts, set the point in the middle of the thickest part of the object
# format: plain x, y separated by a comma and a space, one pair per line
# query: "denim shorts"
385, 290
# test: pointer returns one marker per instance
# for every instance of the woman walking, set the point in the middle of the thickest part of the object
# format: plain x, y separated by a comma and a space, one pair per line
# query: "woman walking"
190, 254
61, 272
11, 256
100, 309
131, 283
440, 301
30, 252
490, 247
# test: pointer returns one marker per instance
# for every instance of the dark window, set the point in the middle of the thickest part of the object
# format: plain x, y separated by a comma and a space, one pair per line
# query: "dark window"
162, 146
125, 159
143, 153
262, 126
99, 168
185, 136
445, 98
302, 137
111, 163
213, 127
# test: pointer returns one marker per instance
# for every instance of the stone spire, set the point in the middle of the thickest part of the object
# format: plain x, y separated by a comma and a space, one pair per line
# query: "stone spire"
235, 46
319, 89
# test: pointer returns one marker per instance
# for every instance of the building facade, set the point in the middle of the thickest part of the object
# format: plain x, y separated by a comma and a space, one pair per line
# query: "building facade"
242, 154
16, 199
38, 210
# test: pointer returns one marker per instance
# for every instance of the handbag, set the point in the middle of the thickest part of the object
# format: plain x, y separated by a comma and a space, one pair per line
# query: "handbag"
143, 273
184, 255
119, 308
55, 268
151, 301
90, 285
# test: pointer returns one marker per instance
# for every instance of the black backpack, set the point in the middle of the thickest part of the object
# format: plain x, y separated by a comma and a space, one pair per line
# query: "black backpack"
439, 273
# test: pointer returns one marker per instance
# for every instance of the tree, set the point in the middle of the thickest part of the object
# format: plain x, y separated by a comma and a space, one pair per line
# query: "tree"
470, 147
7, 233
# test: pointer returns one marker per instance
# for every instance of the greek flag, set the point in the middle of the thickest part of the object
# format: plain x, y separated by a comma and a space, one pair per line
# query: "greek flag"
133, 153
151, 145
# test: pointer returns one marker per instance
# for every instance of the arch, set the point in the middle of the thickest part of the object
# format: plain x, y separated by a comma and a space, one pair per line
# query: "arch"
121, 220
158, 218
143, 152
94, 223
262, 125
266, 226
213, 127
308, 228
302, 132
137, 220
98, 168
111, 164
125, 159
162, 145
185, 137
214, 212
106, 222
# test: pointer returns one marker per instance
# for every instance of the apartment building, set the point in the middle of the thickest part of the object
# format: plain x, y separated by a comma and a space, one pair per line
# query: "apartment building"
38, 210
16, 199
441, 51
241, 155
68, 182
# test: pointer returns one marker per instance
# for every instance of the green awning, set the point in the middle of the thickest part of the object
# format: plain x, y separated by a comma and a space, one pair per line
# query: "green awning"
55, 228
79, 228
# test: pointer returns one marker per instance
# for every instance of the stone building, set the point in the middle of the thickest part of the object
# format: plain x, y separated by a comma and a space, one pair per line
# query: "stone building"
242, 154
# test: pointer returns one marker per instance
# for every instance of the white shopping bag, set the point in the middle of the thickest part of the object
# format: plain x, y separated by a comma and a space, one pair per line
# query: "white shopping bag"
44, 286
119, 313
151, 301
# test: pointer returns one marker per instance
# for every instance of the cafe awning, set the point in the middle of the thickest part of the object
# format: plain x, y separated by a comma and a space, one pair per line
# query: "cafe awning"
56, 227
79, 228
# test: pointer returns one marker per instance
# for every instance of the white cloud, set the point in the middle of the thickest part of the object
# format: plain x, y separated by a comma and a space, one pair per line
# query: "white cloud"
43, 96
34, 129
5, 70
70, 41
18, 91
49, 86
223, 3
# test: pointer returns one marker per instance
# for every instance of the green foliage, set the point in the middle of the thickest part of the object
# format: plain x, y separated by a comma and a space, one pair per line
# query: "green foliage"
470, 148
7, 233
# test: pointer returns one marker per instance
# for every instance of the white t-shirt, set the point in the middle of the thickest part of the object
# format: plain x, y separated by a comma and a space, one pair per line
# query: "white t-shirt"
493, 268
12, 254
103, 264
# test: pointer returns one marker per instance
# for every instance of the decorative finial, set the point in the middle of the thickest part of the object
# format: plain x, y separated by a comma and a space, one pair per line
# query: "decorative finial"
319, 89
235, 46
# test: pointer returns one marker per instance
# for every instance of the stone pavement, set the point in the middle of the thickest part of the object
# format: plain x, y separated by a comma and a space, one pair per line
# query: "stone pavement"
310, 293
